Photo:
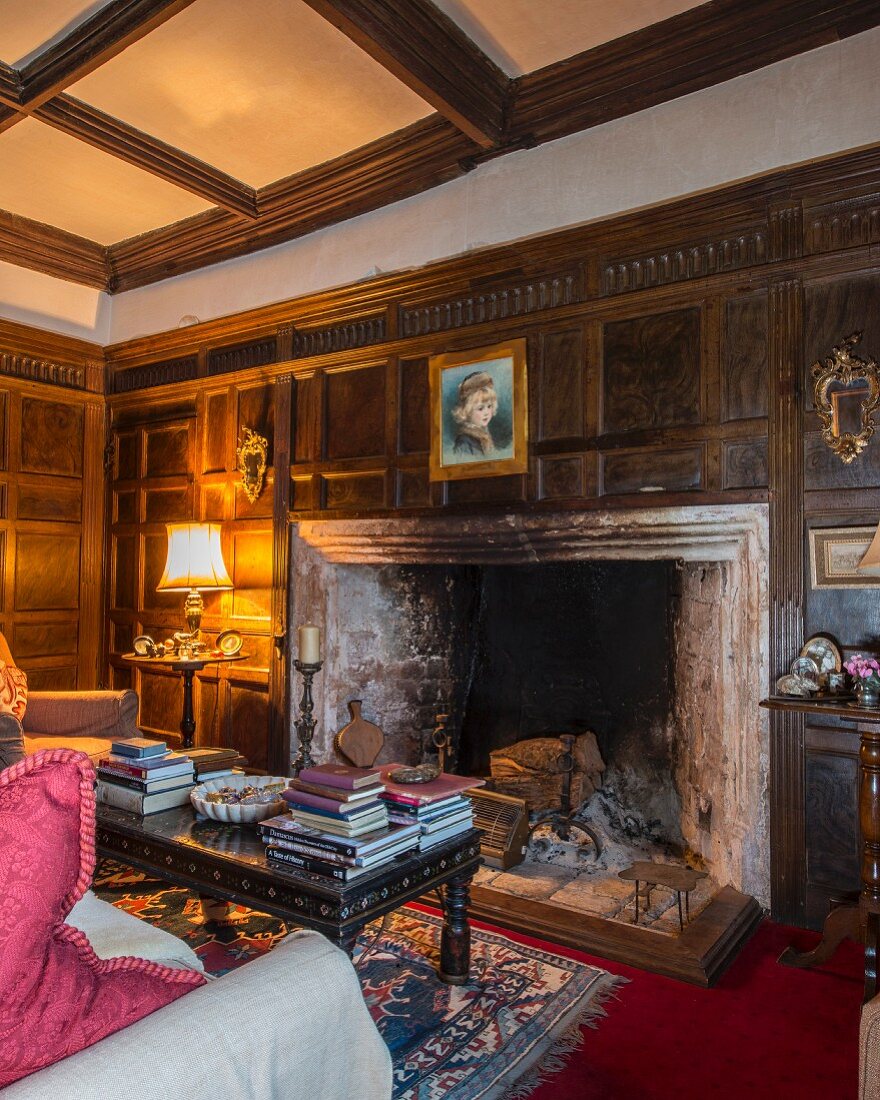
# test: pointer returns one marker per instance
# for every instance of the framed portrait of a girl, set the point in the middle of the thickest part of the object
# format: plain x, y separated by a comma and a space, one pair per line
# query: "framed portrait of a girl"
479, 412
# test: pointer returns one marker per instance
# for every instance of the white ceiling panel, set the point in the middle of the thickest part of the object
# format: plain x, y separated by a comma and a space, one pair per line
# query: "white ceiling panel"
27, 28
259, 90
53, 178
523, 35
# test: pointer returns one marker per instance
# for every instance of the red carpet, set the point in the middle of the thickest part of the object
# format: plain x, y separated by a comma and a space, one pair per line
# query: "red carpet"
765, 1032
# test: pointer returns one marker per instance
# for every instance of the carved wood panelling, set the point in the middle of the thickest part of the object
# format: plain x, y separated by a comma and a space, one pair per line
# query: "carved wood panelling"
557, 384
561, 477
354, 492
168, 449
63, 504
256, 410
155, 374
744, 362
355, 416
515, 300
413, 489
745, 464
831, 826
242, 356
51, 437
40, 370
345, 336
46, 572
651, 372
843, 224
787, 855
414, 414
685, 262
673, 470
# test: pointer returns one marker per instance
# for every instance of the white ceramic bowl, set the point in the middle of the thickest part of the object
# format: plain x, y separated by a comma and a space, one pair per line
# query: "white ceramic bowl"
238, 813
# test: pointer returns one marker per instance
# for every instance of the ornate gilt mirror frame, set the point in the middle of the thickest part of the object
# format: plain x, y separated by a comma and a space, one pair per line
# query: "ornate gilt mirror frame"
844, 367
250, 460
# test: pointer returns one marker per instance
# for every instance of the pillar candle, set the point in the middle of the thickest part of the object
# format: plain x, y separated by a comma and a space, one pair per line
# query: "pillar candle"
309, 644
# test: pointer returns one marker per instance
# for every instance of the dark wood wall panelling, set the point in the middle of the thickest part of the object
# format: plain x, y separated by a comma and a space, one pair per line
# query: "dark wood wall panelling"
51, 506
175, 461
668, 353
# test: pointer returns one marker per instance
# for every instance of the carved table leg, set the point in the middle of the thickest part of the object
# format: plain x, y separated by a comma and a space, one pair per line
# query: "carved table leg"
347, 940
188, 721
455, 940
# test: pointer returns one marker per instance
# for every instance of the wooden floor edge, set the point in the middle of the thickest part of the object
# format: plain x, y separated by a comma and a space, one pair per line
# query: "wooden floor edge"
698, 957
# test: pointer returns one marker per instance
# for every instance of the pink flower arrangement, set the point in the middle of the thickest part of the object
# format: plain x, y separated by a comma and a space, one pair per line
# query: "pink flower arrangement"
864, 670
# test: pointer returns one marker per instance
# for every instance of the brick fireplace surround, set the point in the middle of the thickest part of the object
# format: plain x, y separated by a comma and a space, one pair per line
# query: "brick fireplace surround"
339, 579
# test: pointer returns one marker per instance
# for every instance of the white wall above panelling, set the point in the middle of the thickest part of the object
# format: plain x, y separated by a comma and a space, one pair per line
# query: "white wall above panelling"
32, 298
812, 106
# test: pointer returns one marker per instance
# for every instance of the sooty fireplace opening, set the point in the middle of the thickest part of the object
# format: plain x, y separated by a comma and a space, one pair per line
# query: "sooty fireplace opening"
571, 646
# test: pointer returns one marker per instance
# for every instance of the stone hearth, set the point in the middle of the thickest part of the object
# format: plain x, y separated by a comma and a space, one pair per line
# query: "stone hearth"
382, 625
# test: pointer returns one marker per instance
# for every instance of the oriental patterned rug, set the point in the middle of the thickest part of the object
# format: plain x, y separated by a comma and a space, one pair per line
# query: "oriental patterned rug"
499, 1036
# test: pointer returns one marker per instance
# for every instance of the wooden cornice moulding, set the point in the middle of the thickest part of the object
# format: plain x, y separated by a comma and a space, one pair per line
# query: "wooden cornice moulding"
52, 251
395, 167
697, 49
429, 53
120, 140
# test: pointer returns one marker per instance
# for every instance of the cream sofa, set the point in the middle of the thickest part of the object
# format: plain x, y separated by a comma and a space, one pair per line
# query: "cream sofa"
87, 721
290, 1024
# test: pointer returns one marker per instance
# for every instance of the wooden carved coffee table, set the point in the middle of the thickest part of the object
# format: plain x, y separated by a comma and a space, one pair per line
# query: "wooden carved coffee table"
227, 861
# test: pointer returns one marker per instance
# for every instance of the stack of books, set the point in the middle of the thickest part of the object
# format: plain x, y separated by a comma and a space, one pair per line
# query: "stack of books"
215, 763
144, 777
292, 846
439, 808
339, 799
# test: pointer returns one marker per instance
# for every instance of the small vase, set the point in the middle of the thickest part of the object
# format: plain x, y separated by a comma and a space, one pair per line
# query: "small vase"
868, 696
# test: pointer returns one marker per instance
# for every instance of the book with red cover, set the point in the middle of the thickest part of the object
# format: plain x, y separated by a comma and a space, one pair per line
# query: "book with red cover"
421, 794
345, 810
340, 775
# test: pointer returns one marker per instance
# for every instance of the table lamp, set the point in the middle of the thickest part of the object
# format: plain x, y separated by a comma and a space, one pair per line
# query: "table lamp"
194, 564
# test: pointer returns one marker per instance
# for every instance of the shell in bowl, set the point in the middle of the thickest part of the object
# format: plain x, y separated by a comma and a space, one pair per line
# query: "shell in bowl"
256, 807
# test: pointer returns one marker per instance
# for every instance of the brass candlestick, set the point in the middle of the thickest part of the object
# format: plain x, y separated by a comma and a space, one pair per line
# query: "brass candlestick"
305, 727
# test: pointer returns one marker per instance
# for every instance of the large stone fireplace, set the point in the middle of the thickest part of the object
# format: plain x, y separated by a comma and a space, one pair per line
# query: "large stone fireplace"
648, 626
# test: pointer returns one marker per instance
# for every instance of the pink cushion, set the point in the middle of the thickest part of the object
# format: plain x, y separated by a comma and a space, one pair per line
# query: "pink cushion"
56, 995
13, 690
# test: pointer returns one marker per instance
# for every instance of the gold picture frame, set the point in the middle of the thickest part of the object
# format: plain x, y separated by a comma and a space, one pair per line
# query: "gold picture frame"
479, 412
835, 553
251, 457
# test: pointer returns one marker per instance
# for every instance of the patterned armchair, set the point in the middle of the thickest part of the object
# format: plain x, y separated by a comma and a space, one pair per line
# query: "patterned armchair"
84, 720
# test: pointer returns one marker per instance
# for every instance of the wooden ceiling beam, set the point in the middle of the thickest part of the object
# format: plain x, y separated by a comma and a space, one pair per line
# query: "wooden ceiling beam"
52, 251
91, 44
697, 49
425, 50
120, 140
428, 153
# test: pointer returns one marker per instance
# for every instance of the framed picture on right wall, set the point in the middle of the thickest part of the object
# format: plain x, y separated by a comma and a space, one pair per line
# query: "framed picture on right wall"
835, 553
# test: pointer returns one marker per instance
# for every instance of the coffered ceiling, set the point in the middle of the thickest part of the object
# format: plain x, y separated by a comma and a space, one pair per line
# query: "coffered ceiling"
143, 138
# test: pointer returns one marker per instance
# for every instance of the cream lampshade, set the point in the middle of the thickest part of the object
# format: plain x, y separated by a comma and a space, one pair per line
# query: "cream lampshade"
194, 563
